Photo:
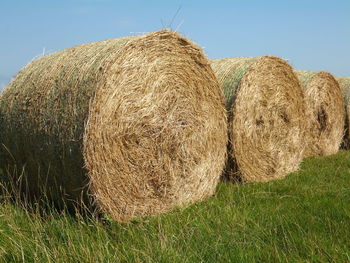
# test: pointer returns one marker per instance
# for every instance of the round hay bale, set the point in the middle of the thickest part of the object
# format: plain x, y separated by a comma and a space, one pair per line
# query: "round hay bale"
141, 120
325, 112
266, 117
344, 83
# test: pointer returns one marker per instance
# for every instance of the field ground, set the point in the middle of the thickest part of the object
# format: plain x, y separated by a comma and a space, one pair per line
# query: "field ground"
302, 218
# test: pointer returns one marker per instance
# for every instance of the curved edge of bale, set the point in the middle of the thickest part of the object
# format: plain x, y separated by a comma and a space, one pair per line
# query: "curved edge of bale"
344, 83
325, 111
157, 130
266, 117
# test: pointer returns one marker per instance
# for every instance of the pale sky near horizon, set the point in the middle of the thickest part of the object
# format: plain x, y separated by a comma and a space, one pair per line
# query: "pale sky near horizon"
312, 35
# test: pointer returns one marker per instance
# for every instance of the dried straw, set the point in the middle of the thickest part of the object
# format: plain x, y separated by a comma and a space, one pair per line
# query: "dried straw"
344, 83
141, 120
325, 112
266, 117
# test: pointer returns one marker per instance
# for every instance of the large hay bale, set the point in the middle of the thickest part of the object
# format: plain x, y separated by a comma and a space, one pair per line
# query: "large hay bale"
266, 117
325, 112
141, 120
344, 83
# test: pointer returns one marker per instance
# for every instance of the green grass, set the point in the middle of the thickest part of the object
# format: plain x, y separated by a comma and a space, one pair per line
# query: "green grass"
302, 218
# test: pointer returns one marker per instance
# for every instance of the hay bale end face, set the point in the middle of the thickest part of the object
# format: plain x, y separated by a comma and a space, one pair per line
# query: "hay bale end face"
266, 117
140, 120
325, 112
344, 83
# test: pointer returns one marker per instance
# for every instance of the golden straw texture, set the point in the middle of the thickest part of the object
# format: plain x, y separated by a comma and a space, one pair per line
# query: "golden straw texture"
324, 111
344, 83
266, 117
140, 120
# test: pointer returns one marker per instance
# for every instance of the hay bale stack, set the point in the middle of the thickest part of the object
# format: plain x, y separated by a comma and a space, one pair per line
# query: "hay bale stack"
344, 83
325, 112
266, 117
141, 120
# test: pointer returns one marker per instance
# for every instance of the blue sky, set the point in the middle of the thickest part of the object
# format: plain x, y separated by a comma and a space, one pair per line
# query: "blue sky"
312, 35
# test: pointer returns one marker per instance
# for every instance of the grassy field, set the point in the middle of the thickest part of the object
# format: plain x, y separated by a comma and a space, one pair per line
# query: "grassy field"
303, 218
